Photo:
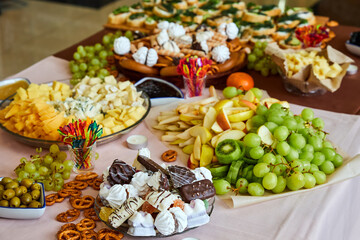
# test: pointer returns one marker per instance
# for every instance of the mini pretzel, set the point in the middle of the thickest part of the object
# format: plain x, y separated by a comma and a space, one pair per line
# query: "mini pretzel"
68, 216
96, 184
82, 203
90, 213
86, 176
215, 68
50, 199
85, 224
169, 156
68, 226
88, 235
79, 185
69, 235
69, 192
110, 236
59, 199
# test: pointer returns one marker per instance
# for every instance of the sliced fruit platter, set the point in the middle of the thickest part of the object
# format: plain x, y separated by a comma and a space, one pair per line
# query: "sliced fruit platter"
251, 145
36, 113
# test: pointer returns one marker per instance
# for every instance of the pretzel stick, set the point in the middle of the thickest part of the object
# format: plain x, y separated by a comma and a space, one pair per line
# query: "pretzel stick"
133, 48
153, 42
181, 45
193, 52
169, 58
140, 45
169, 53
142, 39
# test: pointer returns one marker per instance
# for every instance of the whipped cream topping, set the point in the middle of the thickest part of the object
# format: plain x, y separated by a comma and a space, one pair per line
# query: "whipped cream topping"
140, 55
163, 25
204, 36
175, 30
152, 57
162, 37
202, 173
220, 53
165, 223
161, 200
171, 46
118, 194
180, 218
139, 181
122, 45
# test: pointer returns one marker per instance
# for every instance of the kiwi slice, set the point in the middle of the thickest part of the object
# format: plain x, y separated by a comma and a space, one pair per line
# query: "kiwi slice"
218, 170
233, 171
228, 151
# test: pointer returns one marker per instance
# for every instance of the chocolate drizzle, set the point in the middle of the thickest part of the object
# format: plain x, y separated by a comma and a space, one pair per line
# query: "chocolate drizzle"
180, 176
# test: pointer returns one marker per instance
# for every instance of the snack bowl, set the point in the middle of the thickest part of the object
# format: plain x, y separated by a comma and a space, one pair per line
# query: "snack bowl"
47, 143
25, 213
354, 49
124, 227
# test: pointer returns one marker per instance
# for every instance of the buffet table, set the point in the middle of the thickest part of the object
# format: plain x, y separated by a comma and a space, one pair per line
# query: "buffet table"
327, 213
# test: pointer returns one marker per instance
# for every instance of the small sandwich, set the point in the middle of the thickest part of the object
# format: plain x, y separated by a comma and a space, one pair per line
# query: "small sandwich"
270, 10
290, 21
218, 20
150, 23
164, 10
232, 4
119, 15
282, 33
180, 4
136, 20
290, 43
255, 17
266, 28
211, 8
150, 3
303, 14
231, 12
261, 38
136, 8
239, 5
192, 2
245, 35
187, 16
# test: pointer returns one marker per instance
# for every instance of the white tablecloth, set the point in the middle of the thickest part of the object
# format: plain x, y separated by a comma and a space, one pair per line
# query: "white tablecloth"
329, 213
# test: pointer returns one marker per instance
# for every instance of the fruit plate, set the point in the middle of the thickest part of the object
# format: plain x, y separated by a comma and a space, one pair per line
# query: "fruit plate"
47, 143
124, 227
25, 213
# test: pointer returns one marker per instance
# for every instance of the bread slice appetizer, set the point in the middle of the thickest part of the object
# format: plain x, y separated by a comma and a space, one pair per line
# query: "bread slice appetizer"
290, 43
290, 21
271, 10
245, 35
136, 20
150, 3
187, 16
261, 38
255, 17
266, 28
239, 5
165, 10
232, 4
282, 33
211, 8
150, 23
192, 2
216, 21
302, 13
119, 15
136, 8
180, 4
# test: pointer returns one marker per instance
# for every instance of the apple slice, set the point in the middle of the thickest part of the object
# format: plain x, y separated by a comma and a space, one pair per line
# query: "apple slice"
238, 126
207, 154
216, 128
249, 96
168, 138
188, 149
212, 91
267, 102
222, 120
177, 141
231, 134
265, 135
187, 142
249, 125
210, 118
185, 134
246, 103
168, 113
241, 116
197, 148
223, 103
169, 120
187, 117
202, 132
192, 163
196, 122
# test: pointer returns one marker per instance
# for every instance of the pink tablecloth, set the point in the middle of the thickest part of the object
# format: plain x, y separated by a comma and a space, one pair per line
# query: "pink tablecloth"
328, 213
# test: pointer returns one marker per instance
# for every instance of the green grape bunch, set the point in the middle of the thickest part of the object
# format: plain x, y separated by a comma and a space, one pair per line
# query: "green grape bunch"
51, 169
261, 62
281, 152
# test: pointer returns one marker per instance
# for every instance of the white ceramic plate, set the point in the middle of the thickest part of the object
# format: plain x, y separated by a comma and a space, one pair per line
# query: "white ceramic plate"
354, 49
25, 213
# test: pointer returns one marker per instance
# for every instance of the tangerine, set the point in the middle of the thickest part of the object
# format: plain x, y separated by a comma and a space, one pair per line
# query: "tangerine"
240, 80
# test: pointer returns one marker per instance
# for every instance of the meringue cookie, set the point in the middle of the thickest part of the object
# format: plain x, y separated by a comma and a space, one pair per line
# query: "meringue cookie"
104, 190
119, 193
196, 213
202, 173
139, 181
165, 223
171, 46
220, 53
180, 218
140, 55
152, 57
163, 37
175, 30
161, 200
122, 45
232, 30
184, 39
141, 224
222, 29
204, 46
163, 25
204, 36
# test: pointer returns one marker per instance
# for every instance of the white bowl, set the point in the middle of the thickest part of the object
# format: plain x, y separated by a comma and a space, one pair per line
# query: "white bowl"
354, 49
25, 213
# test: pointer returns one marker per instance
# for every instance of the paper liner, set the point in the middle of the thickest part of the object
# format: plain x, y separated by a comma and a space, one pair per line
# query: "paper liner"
305, 80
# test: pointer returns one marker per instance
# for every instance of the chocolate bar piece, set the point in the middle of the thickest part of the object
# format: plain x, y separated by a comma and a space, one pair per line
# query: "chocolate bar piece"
150, 164
120, 173
180, 176
197, 190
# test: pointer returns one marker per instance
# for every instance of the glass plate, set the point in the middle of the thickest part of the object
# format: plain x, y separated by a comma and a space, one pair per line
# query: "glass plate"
124, 227
47, 143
